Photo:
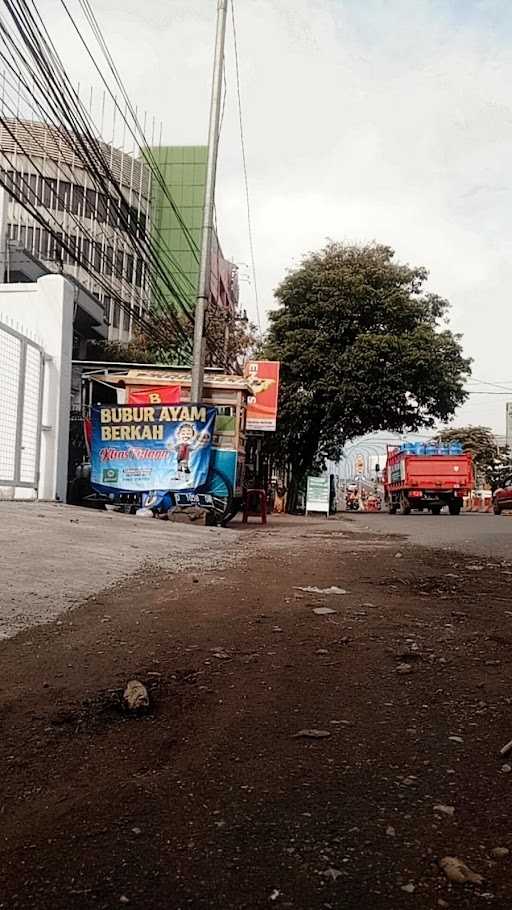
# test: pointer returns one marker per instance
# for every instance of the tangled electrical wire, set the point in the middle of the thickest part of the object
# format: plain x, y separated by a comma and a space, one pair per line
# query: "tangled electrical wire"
36, 75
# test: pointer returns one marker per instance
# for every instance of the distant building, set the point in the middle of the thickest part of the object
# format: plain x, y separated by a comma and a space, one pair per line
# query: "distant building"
56, 180
114, 290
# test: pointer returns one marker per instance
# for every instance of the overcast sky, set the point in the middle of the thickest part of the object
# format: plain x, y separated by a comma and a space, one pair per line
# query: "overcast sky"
386, 120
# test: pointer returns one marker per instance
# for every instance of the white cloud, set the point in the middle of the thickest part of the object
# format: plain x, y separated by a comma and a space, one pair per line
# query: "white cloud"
387, 120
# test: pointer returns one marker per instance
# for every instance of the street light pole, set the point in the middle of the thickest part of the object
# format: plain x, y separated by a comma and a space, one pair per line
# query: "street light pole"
203, 291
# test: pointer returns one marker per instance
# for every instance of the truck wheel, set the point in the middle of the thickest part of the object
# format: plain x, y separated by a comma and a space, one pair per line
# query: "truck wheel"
496, 508
436, 510
392, 507
454, 508
405, 508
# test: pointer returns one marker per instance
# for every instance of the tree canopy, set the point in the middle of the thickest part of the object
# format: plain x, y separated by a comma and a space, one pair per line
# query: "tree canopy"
230, 341
363, 348
491, 466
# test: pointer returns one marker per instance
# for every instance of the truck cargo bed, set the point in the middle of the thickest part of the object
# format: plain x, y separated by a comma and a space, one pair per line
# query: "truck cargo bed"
431, 472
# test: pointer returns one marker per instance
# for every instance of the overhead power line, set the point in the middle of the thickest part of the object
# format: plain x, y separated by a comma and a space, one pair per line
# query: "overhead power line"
21, 191
496, 385
137, 133
31, 57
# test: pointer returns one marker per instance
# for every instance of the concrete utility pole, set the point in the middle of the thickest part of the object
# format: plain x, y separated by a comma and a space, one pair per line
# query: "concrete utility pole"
203, 291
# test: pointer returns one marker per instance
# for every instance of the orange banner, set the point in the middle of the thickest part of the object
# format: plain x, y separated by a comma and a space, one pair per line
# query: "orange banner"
263, 378
166, 394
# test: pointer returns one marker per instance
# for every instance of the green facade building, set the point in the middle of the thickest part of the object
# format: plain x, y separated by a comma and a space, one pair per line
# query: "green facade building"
183, 171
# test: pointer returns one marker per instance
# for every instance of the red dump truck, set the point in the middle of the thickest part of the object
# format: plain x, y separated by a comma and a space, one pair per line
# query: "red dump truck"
427, 481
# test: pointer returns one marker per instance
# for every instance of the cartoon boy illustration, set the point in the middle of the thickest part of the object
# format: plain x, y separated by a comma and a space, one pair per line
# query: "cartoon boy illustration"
185, 437
186, 440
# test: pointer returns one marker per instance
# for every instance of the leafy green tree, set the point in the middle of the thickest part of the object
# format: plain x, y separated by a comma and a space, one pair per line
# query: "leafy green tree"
140, 349
500, 470
363, 348
229, 340
491, 466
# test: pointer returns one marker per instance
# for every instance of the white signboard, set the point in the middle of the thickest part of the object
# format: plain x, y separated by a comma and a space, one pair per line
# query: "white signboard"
508, 423
317, 496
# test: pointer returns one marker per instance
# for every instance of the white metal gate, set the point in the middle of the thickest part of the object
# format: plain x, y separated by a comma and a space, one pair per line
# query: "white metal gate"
21, 398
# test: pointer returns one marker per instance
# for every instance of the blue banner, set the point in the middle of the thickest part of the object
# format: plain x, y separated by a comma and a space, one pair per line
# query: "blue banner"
153, 448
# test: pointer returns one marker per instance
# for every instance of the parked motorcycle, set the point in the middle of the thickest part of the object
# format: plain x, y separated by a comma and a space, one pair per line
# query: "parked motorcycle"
353, 504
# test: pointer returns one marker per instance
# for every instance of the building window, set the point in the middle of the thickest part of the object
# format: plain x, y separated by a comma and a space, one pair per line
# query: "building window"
97, 257
33, 189
58, 250
63, 196
90, 203
49, 192
107, 303
113, 213
77, 200
138, 272
119, 264
45, 240
72, 248
124, 215
101, 215
116, 314
86, 253
30, 238
109, 260
133, 220
129, 268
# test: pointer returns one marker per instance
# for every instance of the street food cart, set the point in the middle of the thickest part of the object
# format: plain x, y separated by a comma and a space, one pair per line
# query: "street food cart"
222, 491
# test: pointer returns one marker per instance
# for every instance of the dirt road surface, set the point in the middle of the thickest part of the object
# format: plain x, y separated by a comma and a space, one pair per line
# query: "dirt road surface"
53, 556
217, 798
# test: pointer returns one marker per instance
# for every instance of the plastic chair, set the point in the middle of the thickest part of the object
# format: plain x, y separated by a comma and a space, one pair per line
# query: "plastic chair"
262, 499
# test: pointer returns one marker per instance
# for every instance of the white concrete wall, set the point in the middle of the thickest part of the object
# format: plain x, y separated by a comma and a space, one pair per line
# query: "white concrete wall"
44, 311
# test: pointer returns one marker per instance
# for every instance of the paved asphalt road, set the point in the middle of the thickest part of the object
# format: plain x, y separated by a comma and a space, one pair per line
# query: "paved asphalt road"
485, 535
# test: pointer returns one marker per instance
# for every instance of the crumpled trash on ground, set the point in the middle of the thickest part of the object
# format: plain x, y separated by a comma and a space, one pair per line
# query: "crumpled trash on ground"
311, 589
311, 734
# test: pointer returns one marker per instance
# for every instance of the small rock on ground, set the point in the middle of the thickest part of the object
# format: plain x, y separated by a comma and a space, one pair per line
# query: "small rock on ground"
403, 669
444, 810
457, 871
